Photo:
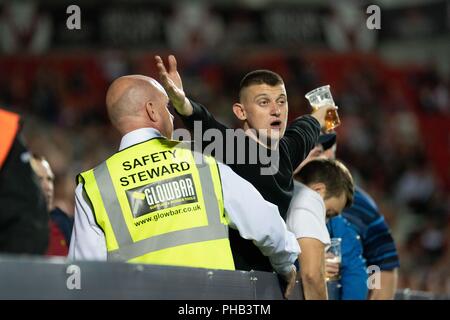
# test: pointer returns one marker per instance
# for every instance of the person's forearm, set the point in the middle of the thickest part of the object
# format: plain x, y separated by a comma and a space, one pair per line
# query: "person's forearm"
184, 109
197, 114
199, 122
314, 287
301, 137
388, 281
312, 268
200, 113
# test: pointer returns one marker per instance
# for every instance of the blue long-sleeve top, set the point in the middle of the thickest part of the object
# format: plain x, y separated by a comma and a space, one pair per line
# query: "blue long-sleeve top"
353, 273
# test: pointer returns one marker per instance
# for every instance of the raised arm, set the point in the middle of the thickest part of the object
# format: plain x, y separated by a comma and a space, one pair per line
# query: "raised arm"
171, 81
300, 138
302, 134
189, 111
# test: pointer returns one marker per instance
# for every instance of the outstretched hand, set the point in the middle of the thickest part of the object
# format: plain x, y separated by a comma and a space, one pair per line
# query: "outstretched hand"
171, 82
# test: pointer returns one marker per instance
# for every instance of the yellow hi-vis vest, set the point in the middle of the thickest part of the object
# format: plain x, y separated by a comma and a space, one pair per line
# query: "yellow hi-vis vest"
158, 202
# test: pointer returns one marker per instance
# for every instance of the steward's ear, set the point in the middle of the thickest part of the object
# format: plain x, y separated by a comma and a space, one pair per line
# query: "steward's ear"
239, 111
151, 111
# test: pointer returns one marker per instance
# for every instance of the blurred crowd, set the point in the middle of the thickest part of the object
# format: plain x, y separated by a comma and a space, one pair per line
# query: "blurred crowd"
380, 139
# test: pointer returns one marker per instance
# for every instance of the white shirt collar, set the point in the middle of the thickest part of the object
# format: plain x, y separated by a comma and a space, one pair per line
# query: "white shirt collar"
138, 136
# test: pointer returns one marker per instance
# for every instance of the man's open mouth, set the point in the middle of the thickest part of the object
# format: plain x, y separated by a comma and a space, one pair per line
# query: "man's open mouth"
275, 124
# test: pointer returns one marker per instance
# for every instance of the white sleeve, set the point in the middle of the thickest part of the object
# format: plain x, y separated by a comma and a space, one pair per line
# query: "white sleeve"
88, 240
258, 220
306, 219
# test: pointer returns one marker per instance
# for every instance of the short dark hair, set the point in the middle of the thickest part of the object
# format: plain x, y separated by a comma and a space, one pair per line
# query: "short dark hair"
260, 77
333, 173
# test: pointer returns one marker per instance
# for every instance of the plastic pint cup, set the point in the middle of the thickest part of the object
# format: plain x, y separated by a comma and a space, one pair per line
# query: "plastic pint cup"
321, 97
333, 254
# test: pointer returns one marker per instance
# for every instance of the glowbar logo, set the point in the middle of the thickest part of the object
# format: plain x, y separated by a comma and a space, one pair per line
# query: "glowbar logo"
162, 195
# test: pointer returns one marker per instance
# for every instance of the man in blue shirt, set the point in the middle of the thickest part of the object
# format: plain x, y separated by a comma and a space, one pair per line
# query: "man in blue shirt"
378, 245
352, 284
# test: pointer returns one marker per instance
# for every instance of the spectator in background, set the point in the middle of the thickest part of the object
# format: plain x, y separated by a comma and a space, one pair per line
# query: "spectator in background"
416, 186
345, 28
23, 215
194, 29
60, 223
322, 189
378, 245
23, 28
433, 91
44, 95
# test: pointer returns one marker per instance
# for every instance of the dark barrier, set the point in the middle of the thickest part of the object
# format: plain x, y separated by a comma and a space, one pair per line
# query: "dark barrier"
56, 278
40, 278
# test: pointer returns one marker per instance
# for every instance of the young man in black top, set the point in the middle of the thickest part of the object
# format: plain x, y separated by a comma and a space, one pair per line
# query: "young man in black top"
262, 110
